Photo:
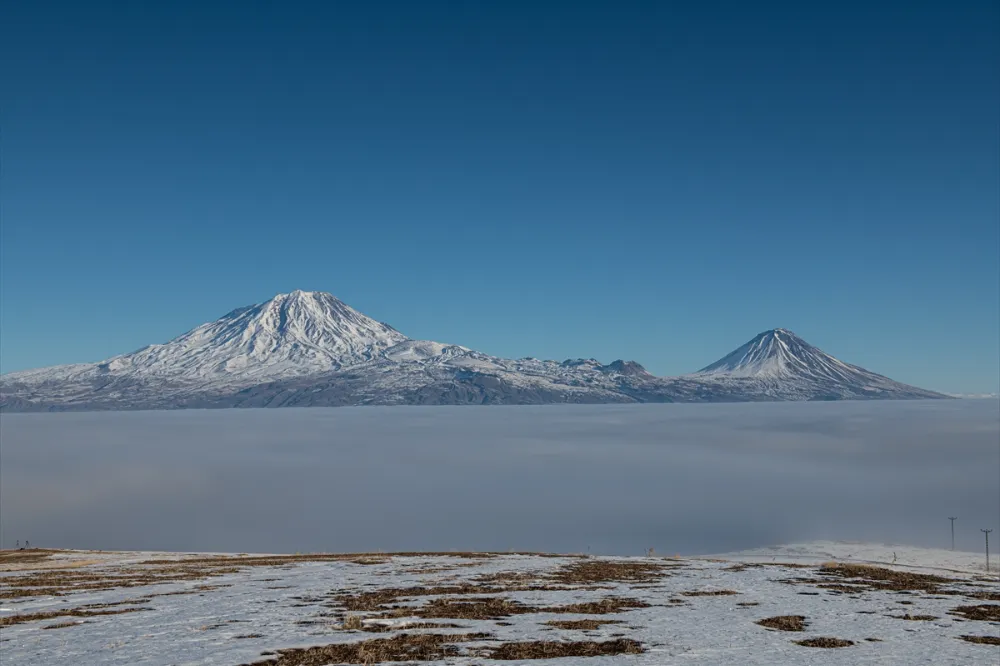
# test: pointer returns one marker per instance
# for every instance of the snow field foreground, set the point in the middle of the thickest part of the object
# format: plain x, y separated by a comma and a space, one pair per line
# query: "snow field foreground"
824, 603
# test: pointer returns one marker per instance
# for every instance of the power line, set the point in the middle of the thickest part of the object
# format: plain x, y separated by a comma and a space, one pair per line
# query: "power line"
987, 533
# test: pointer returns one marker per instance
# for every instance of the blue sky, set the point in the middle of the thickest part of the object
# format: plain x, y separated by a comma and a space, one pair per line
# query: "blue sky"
618, 180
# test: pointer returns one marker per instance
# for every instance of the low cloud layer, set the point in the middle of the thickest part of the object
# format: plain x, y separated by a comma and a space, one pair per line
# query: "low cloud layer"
609, 479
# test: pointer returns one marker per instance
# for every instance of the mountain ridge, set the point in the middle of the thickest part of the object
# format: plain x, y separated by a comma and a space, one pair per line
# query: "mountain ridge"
311, 349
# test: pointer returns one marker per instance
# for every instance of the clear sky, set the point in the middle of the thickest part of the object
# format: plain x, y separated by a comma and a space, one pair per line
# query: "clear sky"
644, 180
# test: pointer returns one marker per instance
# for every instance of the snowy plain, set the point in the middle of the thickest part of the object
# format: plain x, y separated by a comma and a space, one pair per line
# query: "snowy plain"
254, 613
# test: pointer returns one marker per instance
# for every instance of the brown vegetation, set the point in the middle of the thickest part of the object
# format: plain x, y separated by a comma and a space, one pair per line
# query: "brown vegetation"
880, 578
561, 649
825, 642
983, 640
7, 620
588, 572
580, 625
378, 628
784, 623
405, 647
984, 612
61, 625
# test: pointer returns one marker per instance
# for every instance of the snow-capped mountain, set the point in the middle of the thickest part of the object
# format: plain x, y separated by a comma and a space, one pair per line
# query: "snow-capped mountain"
780, 364
311, 349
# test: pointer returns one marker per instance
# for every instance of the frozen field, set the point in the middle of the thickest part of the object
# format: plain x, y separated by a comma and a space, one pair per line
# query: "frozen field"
687, 479
66, 609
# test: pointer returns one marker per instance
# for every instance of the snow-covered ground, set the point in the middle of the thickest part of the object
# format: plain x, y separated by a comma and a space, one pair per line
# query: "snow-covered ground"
221, 611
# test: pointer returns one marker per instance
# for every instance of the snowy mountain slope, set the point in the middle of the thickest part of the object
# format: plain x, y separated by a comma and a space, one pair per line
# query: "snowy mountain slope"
779, 364
310, 349
290, 335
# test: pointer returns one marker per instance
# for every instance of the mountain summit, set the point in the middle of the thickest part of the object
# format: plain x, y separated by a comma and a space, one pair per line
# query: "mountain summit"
782, 362
300, 333
311, 349
777, 353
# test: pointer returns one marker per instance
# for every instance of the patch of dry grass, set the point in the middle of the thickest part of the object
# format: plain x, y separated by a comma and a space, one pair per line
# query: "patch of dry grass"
379, 628
917, 618
476, 608
60, 582
352, 623
580, 625
61, 625
20, 618
405, 647
982, 640
561, 649
709, 593
984, 612
493, 608
589, 572
602, 607
379, 600
880, 578
784, 622
23, 556
825, 642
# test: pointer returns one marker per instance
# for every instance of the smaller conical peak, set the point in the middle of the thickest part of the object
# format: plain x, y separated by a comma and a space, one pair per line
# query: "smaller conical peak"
776, 352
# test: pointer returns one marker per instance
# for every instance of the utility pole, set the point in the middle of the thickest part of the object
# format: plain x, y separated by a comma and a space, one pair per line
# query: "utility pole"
987, 533
953, 519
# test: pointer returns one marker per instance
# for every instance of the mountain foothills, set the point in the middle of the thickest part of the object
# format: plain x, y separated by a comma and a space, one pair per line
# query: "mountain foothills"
308, 349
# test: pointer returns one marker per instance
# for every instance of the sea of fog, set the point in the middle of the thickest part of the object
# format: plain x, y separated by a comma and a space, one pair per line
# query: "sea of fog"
608, 479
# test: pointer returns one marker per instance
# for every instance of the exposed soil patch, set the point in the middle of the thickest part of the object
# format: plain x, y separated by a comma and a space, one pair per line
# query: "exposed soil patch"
743, 566
61, 625
602, 607
492, 608
918, 618
983, 640
384, 599
588, 572
112, 604
841, 588
784, 623
580, 625
25, 556
8, 620
378, 628
249, 636
512, 578
985, 596
476, 608
561, 649
405, 647
984, 612
709, 593
825, 642
880, 578
747, 603
60, 582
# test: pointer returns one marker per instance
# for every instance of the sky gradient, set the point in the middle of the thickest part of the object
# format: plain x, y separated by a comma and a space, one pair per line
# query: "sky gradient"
613, 180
